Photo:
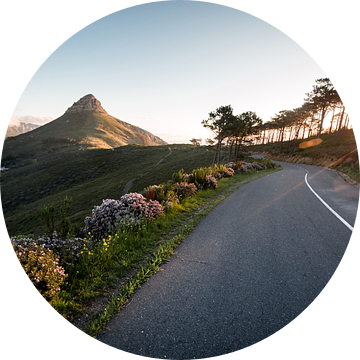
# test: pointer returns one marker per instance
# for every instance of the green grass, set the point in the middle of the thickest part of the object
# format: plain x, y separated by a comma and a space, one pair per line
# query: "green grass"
143, 250
88, 177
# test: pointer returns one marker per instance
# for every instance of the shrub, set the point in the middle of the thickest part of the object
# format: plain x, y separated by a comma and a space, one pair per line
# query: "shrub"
179, 177
41, 266
155, 192
183, 189
198, 177
248, 166
229, 172
242, 168
231, 165
153, 209
47, 214
127, 221
267, 163
171, 199
131, 210
211, 182
258, 166
150, 192
163, 193
133, 204
187, 177
68, 249
64, 227
222, 171
102, 218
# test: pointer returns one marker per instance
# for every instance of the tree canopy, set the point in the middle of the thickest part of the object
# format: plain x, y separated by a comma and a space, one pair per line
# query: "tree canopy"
303, 121
236, 129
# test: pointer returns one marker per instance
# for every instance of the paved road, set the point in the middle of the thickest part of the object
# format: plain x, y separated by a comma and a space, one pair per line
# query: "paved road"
248, 269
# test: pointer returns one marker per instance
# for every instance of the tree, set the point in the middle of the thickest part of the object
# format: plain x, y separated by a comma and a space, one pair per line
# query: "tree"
196, 142
323, 96
219, 122
300, 116
246, 126
281, 121
210, 141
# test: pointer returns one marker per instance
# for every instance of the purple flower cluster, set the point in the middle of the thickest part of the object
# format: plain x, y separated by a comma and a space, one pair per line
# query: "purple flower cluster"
68, 250
102, 217
131, 209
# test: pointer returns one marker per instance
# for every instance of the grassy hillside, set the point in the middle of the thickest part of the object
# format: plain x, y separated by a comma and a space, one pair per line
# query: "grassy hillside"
338, 153
88, 177
85, 129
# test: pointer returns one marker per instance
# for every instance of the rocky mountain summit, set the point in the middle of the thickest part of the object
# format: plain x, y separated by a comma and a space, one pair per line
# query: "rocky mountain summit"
87, 103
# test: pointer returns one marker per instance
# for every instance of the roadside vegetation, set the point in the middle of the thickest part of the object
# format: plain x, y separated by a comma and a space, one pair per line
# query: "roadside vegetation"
88, 177
296, 135
335, 152
134, 234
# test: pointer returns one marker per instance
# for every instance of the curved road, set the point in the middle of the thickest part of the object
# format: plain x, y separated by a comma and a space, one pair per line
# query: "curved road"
248, 269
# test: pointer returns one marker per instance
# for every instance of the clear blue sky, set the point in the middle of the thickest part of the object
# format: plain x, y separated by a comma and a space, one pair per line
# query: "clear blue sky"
164, 66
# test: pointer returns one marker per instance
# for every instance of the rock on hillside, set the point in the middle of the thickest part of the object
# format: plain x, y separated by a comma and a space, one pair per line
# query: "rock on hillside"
86, 103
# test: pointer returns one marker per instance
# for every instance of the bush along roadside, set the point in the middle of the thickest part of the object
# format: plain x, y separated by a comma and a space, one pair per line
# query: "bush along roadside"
122, 236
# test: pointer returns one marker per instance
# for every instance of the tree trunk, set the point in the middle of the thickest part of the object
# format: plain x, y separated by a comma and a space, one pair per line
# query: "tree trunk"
281, 140
304, 130
238, 148
288, 147
321, 123
331, 122
235, 150
263, 138
340, 123
310, 126
213, 164
295, 138
219, 154
278, 136
230, 150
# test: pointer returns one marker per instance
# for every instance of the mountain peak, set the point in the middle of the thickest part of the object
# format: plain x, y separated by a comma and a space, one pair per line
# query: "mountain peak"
87, 103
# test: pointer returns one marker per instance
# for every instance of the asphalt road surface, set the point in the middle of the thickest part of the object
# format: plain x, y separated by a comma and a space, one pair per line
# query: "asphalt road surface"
248, 269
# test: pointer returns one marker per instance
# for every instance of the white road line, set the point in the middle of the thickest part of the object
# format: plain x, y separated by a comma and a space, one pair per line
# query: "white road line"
326, 205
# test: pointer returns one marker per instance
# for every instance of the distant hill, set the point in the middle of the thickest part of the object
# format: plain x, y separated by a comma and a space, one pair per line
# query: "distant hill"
85, 124
14, 130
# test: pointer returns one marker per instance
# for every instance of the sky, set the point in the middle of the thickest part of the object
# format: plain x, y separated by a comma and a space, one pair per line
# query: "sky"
164, 66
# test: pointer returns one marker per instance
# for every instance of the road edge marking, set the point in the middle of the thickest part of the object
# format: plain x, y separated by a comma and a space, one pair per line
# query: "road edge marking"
327, 206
